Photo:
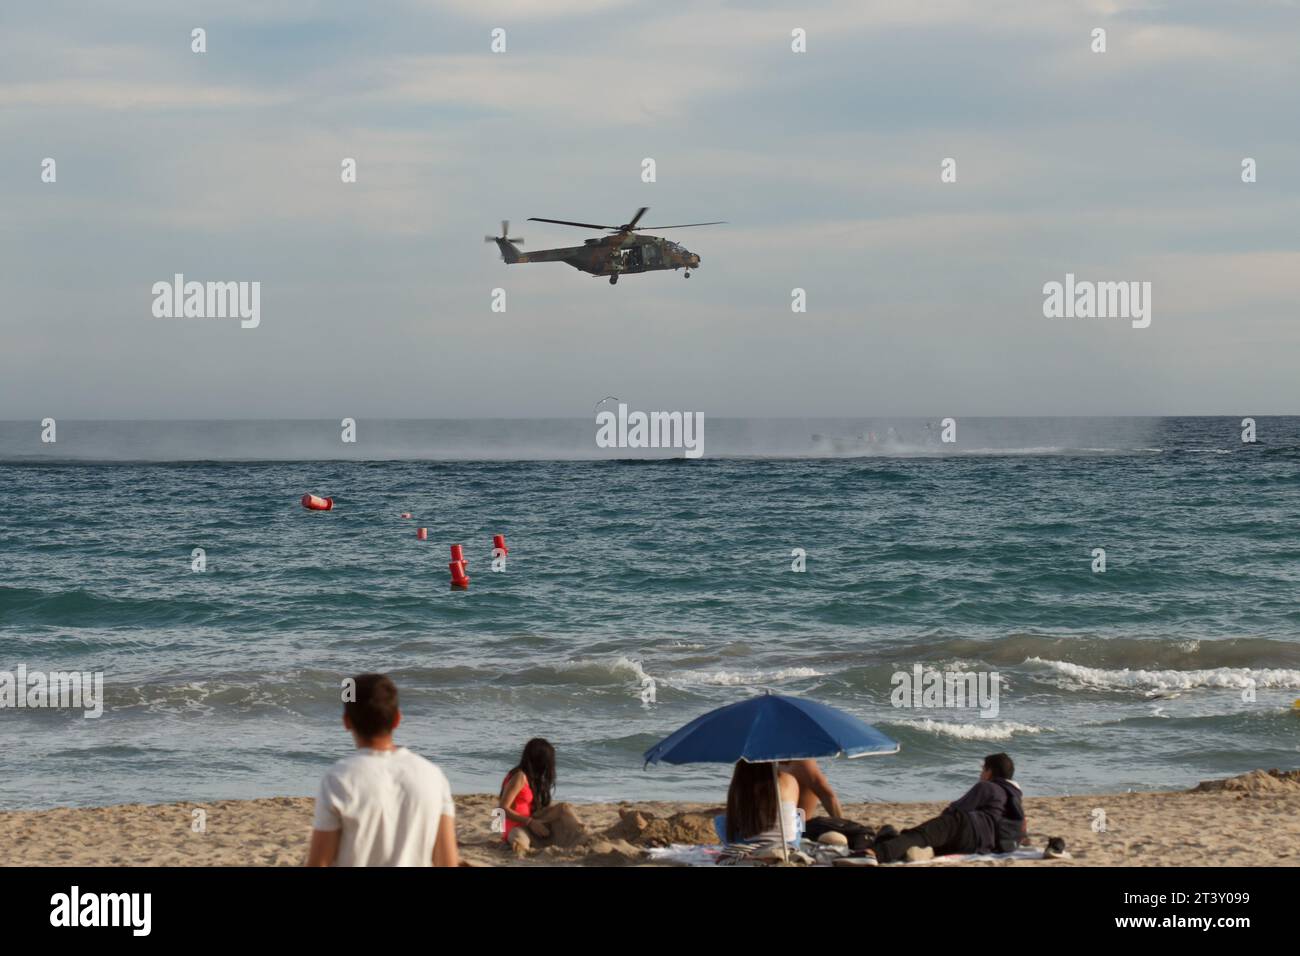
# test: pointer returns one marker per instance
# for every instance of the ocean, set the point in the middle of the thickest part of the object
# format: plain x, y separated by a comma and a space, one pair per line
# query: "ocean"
642, 589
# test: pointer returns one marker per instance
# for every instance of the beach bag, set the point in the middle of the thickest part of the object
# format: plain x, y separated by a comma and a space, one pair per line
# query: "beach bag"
860, 836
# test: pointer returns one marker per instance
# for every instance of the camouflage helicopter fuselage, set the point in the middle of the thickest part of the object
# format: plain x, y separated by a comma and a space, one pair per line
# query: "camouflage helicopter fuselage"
619, 254
624, 251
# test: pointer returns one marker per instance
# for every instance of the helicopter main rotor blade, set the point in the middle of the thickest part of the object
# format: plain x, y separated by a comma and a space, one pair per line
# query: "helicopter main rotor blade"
683, 225
627, 226
637, 218
566, 222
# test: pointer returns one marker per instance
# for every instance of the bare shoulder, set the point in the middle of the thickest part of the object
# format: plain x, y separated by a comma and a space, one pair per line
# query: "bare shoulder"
787, 782
801, 769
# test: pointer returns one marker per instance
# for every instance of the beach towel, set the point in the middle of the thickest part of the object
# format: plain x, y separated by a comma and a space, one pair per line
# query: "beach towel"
685, 854
744, 854
1024, 853
711, 855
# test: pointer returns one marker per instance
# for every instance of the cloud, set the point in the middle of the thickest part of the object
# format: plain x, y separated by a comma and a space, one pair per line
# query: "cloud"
118, 96
591, 88
505, 11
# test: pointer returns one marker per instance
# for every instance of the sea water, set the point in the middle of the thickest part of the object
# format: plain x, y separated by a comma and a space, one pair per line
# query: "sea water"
640, 592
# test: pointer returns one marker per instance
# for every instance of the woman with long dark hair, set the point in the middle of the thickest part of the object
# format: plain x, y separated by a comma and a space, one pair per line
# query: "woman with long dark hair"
526, 800
752, 804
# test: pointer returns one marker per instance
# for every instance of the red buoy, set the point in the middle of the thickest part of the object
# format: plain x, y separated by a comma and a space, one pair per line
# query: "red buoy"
499, 544
313, 503
459, 579
406, 514
422, 534
458, 554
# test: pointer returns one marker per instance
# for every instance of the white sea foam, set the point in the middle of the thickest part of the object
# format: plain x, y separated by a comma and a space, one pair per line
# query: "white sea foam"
625, 668
986, 730
1231, 678
617, 667
740, 678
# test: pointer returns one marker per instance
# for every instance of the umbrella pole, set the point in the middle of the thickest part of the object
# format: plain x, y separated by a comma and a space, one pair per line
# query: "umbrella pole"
780, 814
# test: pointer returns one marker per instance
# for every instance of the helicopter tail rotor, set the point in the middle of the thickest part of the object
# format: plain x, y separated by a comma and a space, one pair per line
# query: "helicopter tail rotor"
506, 243
505, 235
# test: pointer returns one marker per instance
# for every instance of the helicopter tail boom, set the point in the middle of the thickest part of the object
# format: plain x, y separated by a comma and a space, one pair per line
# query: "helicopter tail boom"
509, 251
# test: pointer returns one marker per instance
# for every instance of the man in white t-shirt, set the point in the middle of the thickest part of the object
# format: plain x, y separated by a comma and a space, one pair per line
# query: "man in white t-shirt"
383, 805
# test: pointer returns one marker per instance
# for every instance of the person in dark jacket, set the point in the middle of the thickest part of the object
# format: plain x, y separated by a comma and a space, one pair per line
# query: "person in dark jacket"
988, 818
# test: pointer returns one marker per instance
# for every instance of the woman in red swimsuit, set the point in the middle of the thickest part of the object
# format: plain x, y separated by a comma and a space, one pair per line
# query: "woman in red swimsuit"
526, 794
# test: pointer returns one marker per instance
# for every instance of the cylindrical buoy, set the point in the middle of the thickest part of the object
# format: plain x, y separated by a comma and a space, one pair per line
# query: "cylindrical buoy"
313, 503
459, 579
499, 544
406, 514
422, 534
458, 554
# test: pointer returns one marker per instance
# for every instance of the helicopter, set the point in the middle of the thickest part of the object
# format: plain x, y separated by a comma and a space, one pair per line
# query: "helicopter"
625, 251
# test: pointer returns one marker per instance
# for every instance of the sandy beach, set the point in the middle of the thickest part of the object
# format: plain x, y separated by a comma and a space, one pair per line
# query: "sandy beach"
1251, 820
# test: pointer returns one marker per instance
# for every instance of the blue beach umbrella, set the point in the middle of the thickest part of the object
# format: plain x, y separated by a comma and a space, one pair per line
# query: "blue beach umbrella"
768, 729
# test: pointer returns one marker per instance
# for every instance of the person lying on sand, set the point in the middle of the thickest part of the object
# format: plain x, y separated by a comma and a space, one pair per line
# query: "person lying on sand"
988, 818
526, 792
383, 805
752, 804
813, 788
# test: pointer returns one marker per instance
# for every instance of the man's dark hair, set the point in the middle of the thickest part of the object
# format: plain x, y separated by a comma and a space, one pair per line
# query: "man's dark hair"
374, 712
1000, 766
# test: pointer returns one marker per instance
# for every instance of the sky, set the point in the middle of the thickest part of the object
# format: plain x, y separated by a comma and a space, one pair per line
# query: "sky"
923, 297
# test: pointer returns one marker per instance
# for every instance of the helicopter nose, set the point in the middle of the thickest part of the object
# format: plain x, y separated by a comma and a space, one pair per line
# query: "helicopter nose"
695, 261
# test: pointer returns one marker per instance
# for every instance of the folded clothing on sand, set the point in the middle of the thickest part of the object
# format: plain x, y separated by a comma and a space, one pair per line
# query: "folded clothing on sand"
858, 835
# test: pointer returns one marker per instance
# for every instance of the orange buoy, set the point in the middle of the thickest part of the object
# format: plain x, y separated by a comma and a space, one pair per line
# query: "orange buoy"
499, 544
313, 503
422, 534
459, 579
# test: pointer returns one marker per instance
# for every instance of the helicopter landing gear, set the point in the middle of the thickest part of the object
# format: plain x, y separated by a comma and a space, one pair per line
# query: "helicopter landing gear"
613, 280
688, 275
